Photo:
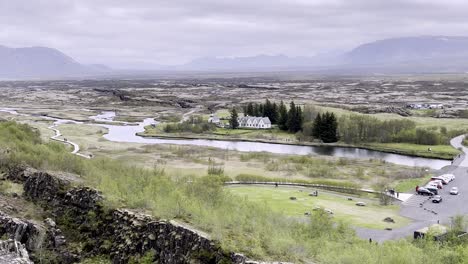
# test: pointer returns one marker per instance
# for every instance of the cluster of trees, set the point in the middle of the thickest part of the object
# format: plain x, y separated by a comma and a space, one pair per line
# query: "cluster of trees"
288, 119
267, 109
352, 129
362, 129
325, 127
195, 124
295, 119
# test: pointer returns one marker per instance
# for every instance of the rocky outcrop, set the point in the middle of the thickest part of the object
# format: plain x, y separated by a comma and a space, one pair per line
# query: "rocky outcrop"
120, 234
19, 173
133, 234
26, 232
13, 252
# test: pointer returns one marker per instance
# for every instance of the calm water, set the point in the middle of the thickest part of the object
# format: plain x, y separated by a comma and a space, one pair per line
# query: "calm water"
128, 134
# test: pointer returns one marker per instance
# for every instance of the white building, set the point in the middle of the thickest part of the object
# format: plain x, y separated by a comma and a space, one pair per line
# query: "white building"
254, 122
214, 119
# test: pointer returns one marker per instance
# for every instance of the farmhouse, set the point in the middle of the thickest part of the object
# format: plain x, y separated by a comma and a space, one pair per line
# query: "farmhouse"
254, 122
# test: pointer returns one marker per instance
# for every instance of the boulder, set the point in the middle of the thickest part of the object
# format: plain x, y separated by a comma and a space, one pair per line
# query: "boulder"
13, 252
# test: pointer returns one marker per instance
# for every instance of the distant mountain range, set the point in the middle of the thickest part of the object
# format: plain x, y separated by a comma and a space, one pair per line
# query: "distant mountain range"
259, 62
410, 49
42, 62
397, 55
427, 54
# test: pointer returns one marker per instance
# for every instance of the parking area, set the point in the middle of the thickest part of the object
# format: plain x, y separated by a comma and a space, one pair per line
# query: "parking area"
423, 212
451, 205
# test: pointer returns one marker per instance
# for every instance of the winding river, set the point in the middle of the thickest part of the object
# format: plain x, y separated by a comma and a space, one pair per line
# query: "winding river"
123, 132
118, 133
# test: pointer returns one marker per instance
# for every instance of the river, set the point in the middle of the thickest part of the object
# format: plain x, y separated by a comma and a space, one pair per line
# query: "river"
119, 133
123, 132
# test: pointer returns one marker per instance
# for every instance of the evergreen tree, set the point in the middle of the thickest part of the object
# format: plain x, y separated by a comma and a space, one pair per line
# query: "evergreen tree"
331, 125
267, 109
274, 113
325, 127
250, 110
255, 110
233, 122
299, 118
293, 125
282, 117
317, 126
260, 110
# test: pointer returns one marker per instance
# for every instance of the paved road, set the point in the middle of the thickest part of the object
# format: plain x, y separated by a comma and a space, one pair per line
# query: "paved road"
423, 211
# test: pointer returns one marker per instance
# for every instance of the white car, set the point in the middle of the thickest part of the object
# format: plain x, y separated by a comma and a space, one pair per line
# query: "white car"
444, 180
436, 183
454, 191
448, 176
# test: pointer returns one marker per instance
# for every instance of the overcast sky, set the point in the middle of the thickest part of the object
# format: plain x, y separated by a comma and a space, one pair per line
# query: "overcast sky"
133, 33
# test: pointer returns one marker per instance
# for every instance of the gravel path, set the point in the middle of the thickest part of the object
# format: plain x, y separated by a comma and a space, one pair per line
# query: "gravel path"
56, 137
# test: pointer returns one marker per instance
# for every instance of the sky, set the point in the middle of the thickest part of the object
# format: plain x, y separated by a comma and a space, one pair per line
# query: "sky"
146, 33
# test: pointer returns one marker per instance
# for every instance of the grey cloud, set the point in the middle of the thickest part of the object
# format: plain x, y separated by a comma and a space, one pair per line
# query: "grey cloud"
126, 33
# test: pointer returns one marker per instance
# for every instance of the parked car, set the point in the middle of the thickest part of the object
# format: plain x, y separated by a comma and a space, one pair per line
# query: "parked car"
437, 199
443, 179
432, 189
424, 191
454, 191
437, 184
450, 177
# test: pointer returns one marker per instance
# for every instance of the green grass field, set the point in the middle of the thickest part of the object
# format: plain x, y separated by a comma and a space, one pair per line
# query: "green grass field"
438, 151
369, 216
409, 185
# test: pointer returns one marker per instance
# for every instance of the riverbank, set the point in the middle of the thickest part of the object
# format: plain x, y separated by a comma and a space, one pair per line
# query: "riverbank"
445, 152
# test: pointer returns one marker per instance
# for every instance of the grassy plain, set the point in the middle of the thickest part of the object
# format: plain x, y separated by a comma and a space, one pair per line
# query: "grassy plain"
189, 161
370, 216
251, 227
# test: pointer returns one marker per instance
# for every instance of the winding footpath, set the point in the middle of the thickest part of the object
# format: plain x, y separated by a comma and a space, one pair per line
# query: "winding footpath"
56, 137
53, 127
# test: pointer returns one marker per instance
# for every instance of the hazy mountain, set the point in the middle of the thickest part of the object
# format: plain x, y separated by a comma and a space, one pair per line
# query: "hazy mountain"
41, 62
433, 54
436, 52
259, 62
398, 55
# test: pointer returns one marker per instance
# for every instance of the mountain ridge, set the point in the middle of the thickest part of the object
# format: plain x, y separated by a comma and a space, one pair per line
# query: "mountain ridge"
422, 54
40, 62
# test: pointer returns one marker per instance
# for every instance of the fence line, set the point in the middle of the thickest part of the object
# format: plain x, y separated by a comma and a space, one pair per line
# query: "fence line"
313, 185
